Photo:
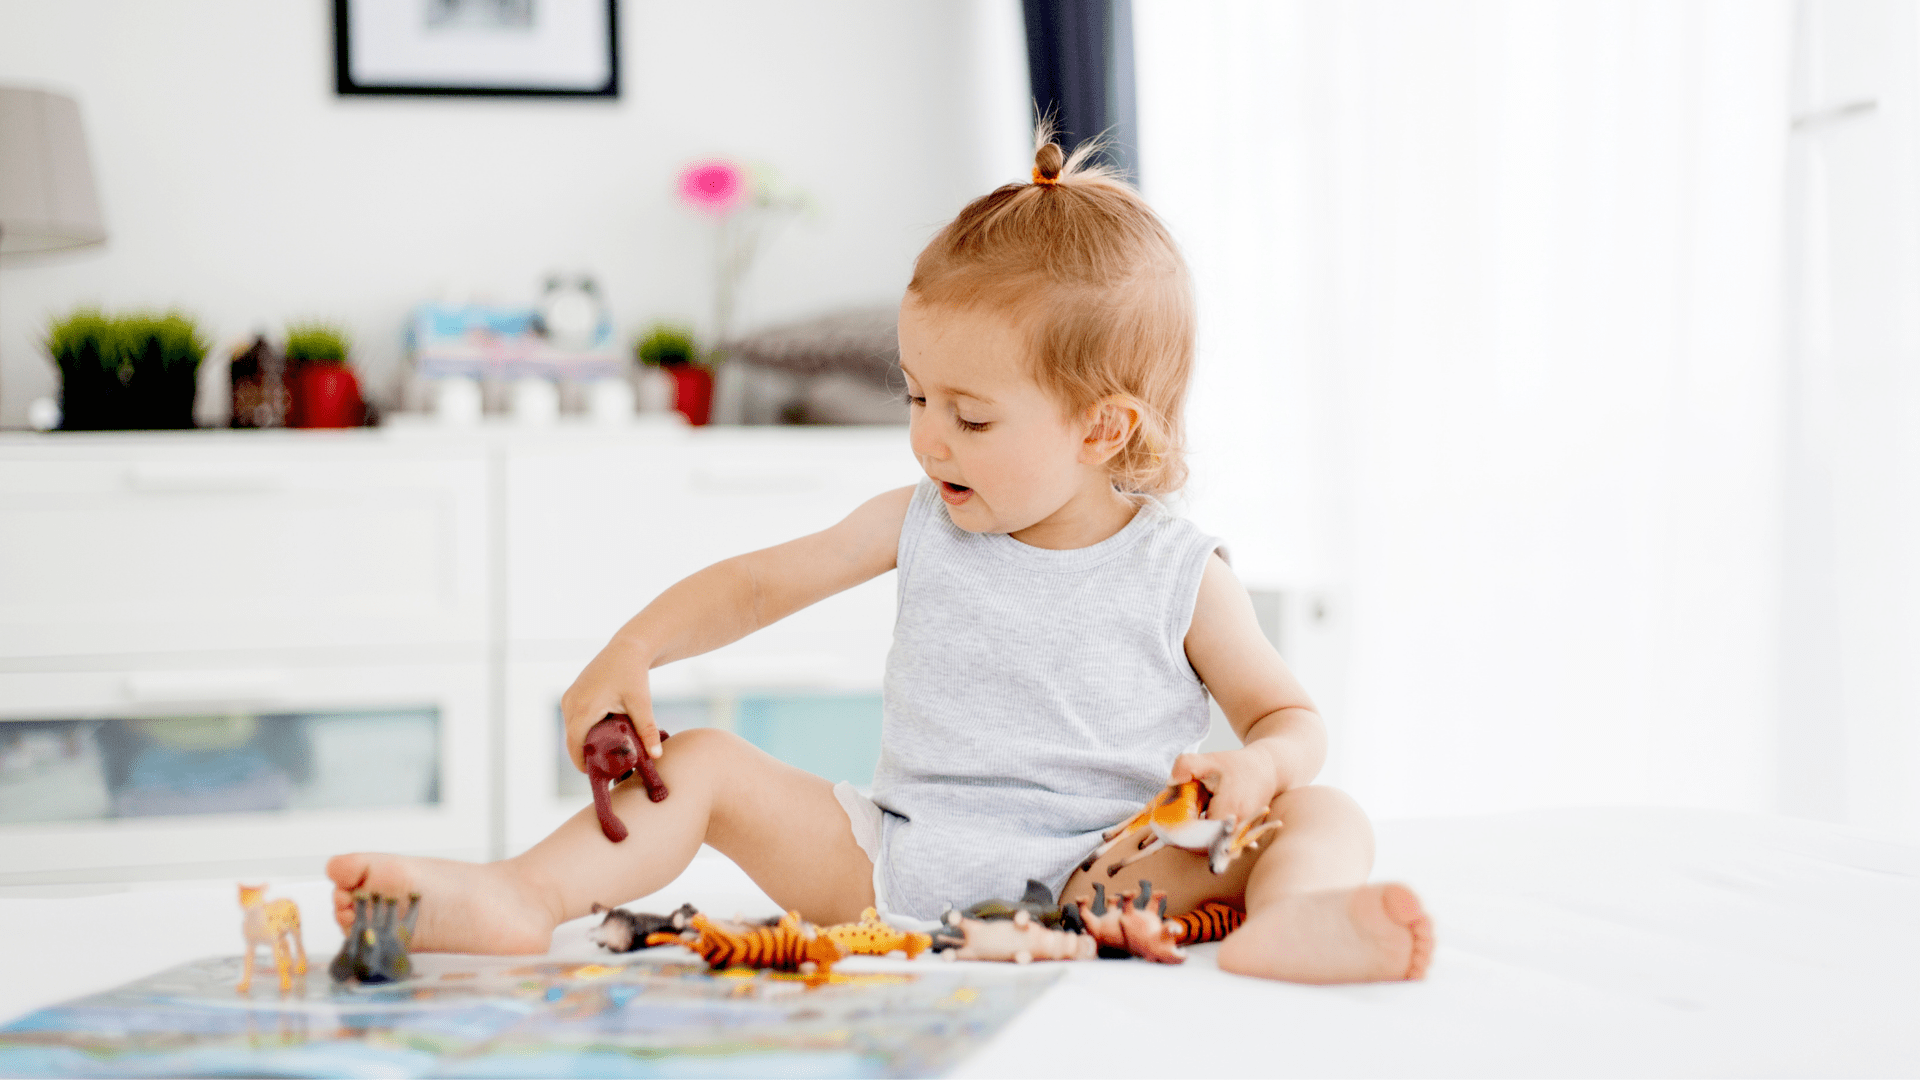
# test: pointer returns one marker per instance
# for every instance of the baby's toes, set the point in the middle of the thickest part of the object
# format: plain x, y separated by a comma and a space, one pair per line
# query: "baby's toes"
349, 872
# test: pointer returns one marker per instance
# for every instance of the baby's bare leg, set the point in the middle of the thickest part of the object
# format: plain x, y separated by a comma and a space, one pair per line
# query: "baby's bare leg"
1310, 915
782, 825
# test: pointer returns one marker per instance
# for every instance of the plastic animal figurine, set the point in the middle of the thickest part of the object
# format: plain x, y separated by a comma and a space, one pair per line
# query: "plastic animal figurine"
375, 949
275, 924
1136, 923
1020, 939
793, 945
613, 751
1210, 921
872, 936
1102, 922
1177, 818
1037, 902
625, 931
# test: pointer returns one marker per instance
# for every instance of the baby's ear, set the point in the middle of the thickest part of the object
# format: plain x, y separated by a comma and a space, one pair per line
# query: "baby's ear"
1111, 422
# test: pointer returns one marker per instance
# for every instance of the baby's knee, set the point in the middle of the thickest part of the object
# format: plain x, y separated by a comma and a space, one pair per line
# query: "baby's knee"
701, 752
1319, 801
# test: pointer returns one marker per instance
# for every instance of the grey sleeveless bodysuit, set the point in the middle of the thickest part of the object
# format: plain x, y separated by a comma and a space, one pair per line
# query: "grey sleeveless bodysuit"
1033, 699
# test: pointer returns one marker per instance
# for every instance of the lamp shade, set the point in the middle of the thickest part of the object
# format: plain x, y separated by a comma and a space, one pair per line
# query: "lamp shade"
47, 199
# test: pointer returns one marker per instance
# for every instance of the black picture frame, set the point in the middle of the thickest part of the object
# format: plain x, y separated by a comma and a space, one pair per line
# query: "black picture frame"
346, 86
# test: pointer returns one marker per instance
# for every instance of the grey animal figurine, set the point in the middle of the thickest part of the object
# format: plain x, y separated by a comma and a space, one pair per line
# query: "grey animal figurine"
1037, 902
626, 931
375, 950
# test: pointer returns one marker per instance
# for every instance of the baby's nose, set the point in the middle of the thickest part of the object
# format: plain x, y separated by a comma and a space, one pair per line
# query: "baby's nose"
926, 445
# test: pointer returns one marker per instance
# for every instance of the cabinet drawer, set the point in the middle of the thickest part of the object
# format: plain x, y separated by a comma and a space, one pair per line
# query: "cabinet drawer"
146, 545
133, 771
594, 534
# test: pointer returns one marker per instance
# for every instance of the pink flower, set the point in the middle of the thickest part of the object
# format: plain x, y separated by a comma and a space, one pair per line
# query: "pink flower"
713, 186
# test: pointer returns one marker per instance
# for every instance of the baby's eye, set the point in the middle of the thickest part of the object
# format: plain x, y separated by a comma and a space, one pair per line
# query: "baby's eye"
912, 400
971, 425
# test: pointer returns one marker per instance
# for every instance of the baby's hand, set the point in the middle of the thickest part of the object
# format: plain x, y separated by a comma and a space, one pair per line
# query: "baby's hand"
1242, 781
615, 682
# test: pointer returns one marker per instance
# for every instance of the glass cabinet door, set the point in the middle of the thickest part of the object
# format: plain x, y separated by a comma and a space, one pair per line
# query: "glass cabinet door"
102, 778
237, 762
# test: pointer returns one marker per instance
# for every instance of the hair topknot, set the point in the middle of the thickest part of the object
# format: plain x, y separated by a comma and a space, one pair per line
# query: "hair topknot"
1085, 267
1047, 162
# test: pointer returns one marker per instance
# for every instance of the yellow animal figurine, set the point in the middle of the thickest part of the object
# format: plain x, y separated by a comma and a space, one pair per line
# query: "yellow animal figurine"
1177, 818
873, 936
275, 924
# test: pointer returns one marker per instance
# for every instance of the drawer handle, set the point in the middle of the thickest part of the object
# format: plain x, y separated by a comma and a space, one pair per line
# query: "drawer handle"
201, 478
206, 686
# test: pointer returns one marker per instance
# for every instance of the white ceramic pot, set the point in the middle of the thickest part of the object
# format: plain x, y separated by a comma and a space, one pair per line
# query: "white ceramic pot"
610, 402
456, 402
653, 392
536, 402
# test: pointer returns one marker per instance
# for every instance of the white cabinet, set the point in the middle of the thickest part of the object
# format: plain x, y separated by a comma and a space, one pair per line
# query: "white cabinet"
598, 527
136, 770
207, 541
319, 622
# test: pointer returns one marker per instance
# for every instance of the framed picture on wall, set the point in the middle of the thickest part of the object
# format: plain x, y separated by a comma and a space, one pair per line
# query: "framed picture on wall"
486, 48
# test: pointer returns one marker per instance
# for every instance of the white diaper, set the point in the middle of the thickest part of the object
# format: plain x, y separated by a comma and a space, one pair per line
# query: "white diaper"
868, 822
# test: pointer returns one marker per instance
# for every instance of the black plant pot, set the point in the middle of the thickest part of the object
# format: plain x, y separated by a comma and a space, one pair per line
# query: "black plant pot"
144, 396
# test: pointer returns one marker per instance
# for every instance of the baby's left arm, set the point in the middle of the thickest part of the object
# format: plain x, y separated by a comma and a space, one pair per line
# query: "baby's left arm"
1285, 739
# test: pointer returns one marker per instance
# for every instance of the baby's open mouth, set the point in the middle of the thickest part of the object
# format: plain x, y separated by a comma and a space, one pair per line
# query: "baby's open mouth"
954, 488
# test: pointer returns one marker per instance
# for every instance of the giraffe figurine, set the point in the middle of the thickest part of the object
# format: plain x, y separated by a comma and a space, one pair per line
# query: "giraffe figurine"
275, 924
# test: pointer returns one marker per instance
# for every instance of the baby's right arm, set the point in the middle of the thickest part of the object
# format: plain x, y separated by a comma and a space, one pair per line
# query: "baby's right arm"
724, 603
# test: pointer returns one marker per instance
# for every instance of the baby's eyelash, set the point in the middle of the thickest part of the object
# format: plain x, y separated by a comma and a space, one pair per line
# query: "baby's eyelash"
919, 401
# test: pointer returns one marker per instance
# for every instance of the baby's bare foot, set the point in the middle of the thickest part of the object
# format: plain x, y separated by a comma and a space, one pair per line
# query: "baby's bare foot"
464, 907
1374, 933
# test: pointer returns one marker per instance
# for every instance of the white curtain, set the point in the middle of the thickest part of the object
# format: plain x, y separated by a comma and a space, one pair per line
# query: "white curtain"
1850, 703
1495, 357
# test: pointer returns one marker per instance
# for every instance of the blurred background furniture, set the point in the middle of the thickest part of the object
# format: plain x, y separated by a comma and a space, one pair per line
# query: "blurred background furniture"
244, 651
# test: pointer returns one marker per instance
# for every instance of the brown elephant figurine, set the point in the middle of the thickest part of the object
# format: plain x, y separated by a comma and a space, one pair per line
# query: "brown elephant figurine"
613, 750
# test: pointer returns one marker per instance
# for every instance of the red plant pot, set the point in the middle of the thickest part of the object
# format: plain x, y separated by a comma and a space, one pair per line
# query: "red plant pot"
692, 392
326, 395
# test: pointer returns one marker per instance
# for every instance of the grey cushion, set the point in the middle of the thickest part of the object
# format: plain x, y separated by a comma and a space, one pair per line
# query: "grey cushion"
864, 344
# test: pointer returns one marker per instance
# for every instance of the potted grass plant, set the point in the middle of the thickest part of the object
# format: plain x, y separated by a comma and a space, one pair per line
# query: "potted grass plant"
670, 348
325, 392
138, 371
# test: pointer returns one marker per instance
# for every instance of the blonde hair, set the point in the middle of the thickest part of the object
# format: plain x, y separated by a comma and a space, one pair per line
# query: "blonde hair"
1084, 265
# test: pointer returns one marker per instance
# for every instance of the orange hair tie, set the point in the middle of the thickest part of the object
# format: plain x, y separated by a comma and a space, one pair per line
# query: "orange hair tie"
1043, 180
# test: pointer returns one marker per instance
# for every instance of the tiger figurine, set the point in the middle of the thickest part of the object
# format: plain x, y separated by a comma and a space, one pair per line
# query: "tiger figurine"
1177, 818
873, 936
1210, 921
791, 945
275, 924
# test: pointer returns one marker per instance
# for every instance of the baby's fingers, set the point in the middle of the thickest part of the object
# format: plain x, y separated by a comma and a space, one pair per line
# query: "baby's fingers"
1201, 767
649, 732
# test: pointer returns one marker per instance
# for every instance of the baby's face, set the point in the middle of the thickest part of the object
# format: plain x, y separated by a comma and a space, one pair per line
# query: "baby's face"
1002, 450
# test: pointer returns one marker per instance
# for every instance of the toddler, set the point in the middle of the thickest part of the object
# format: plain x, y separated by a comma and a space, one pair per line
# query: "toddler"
1058, 634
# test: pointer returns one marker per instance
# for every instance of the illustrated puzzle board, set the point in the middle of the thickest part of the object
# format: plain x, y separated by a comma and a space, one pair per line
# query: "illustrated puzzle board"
491, 1017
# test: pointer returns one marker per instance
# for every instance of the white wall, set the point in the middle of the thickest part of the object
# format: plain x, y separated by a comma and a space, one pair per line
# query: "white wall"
236, 185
